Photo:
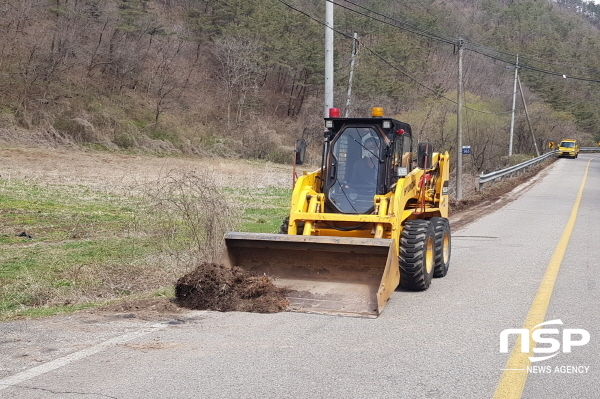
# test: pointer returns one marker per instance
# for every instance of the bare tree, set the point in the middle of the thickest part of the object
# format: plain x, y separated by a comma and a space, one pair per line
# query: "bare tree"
171, 74
239, 71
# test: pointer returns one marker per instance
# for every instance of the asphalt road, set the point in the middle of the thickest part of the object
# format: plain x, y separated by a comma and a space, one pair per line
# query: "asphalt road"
441, 343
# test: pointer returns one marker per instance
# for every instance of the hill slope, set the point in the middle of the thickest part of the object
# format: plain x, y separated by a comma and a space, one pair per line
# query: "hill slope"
245, 78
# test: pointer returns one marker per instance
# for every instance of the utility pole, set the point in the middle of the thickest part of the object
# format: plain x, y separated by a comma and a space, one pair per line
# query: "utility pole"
512, 119
528, 120
459, 122
354, 48
328, 57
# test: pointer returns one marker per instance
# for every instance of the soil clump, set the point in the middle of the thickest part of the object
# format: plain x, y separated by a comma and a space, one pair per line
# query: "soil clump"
217, 287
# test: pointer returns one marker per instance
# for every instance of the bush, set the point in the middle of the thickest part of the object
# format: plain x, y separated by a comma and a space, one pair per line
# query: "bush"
124, 140
79, 130
193, 212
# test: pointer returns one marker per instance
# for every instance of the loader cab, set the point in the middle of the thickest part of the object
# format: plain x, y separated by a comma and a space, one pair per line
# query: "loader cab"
363, 157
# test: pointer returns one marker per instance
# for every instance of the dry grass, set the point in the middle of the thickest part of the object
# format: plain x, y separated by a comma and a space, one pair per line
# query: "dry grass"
109, 226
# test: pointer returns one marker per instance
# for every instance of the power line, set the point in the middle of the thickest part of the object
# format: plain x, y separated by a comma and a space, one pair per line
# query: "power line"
525, 66
371, 51
434, 91
398, 24
481, 49
477, 48
315, 19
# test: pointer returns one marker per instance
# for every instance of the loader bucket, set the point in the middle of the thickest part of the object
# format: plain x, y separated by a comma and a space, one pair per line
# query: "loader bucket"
333, 275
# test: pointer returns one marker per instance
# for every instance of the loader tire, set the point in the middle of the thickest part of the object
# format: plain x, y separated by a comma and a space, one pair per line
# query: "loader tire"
441, 228
417, 255
283, 229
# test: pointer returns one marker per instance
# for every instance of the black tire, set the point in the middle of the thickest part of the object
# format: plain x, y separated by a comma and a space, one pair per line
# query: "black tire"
283, 229
417, 253
441, 228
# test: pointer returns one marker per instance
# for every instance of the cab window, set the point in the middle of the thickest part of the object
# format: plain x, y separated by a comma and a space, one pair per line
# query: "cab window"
356, 157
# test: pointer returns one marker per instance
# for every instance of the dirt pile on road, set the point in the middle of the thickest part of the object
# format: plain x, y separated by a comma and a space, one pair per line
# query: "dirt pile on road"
217, 287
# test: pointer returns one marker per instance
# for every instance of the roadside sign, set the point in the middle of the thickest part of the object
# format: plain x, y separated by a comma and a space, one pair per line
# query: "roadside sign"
466, 149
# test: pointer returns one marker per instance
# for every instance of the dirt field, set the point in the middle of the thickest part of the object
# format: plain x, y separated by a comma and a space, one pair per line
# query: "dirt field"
62, 166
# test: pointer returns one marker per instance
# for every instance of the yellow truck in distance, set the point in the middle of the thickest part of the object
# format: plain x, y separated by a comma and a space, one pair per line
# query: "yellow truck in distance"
568, 148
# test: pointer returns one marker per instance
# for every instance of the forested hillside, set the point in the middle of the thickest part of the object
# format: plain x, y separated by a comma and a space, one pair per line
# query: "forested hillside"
245, 77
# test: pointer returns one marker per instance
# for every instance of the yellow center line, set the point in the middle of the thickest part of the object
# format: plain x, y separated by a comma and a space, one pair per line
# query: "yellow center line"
514, 376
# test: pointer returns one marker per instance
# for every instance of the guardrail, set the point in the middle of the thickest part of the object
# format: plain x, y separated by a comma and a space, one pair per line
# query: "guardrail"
512, 170
589, 149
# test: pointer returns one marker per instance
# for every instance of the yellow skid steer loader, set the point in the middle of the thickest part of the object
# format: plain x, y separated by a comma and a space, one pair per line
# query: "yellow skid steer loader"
369, 220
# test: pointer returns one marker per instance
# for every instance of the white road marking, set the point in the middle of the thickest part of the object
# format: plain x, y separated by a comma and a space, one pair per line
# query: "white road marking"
73, 357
